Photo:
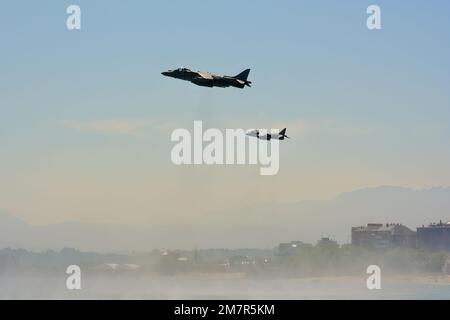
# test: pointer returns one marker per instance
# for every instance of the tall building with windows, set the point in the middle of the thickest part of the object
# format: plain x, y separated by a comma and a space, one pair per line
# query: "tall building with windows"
435, 236
383, 236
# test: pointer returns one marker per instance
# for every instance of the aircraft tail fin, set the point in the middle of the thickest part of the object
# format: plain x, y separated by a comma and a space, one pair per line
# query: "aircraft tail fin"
243, 75
283, 134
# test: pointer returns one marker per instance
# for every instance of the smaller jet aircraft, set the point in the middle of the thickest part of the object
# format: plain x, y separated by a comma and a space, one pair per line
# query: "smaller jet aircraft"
267, 135
206, 79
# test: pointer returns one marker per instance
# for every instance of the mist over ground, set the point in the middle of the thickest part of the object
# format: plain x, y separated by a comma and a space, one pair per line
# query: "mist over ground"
321, 271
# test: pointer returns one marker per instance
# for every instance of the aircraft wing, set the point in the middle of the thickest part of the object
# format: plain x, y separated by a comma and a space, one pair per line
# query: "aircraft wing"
205, 75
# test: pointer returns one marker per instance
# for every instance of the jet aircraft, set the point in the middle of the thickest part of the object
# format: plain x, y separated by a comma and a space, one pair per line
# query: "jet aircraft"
268, 135
206, 79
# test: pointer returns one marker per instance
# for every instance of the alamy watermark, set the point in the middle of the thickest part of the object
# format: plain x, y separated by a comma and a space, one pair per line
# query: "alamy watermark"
236, 147
374, 280
73, 281
374, 20
73, 21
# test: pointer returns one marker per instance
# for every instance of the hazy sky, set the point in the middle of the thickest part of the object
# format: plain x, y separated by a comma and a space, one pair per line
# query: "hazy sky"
86, 116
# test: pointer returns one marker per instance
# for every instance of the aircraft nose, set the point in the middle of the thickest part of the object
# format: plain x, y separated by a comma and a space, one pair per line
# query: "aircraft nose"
165, 73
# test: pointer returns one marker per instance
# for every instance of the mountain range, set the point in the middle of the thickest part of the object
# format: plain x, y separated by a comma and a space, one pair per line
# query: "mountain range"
253, 227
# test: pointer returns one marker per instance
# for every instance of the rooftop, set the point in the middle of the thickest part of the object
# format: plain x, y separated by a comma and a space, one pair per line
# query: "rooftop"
439, 224
395, 228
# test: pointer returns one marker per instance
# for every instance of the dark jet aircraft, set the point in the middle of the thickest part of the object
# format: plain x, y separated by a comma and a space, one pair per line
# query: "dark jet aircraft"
206, 79
268, 136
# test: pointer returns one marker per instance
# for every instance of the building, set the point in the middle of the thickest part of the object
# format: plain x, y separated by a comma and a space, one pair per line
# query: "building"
383, 236
286, 249
435, 236
327, 243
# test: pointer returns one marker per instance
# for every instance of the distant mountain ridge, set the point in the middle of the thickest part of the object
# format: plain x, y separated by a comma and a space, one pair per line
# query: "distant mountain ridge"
258, 226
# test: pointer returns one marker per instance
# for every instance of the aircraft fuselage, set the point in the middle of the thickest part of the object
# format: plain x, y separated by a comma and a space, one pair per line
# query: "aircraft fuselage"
206, 79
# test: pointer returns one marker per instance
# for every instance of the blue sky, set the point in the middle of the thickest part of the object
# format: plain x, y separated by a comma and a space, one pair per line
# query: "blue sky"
364, 107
